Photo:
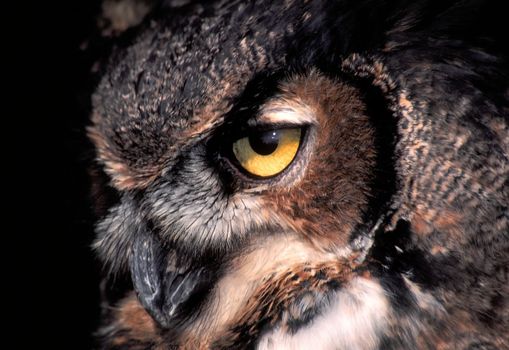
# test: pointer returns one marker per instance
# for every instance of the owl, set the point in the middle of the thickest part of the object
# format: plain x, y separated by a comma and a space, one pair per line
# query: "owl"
326, 174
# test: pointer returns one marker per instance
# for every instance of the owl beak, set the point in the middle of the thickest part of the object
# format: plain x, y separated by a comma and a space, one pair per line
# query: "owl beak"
165, 293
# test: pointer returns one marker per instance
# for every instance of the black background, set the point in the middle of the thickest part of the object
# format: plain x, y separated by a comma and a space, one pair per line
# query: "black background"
64, 278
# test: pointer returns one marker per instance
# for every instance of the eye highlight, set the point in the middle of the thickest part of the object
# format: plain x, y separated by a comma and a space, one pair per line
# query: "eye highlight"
267, 153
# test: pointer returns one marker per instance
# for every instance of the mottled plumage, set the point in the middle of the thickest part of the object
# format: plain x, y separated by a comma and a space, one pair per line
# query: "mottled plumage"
388, 229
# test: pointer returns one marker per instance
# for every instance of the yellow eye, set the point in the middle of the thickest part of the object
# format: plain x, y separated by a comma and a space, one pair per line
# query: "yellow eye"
267, 153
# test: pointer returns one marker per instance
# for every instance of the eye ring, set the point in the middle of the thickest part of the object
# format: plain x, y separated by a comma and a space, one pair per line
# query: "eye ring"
267, 153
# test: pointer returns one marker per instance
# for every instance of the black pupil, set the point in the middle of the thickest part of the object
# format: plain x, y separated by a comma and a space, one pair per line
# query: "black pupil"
264, 142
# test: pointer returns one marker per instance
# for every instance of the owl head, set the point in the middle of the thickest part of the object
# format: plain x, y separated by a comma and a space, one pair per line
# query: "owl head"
250, 138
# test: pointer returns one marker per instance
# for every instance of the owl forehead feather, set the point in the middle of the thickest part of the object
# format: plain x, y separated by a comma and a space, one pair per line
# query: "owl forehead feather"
178, 79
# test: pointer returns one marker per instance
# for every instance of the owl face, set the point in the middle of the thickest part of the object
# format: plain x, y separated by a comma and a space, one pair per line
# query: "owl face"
213, 165
179, 130
264, 167
213, 145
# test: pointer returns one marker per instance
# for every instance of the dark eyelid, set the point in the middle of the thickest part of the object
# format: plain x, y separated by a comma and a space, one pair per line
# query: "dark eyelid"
279, 125
244, 131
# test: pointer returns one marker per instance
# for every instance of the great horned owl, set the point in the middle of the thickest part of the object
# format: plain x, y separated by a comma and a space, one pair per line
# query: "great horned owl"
306, 175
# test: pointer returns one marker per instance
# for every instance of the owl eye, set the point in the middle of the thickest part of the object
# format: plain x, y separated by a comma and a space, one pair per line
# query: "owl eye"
267, 153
